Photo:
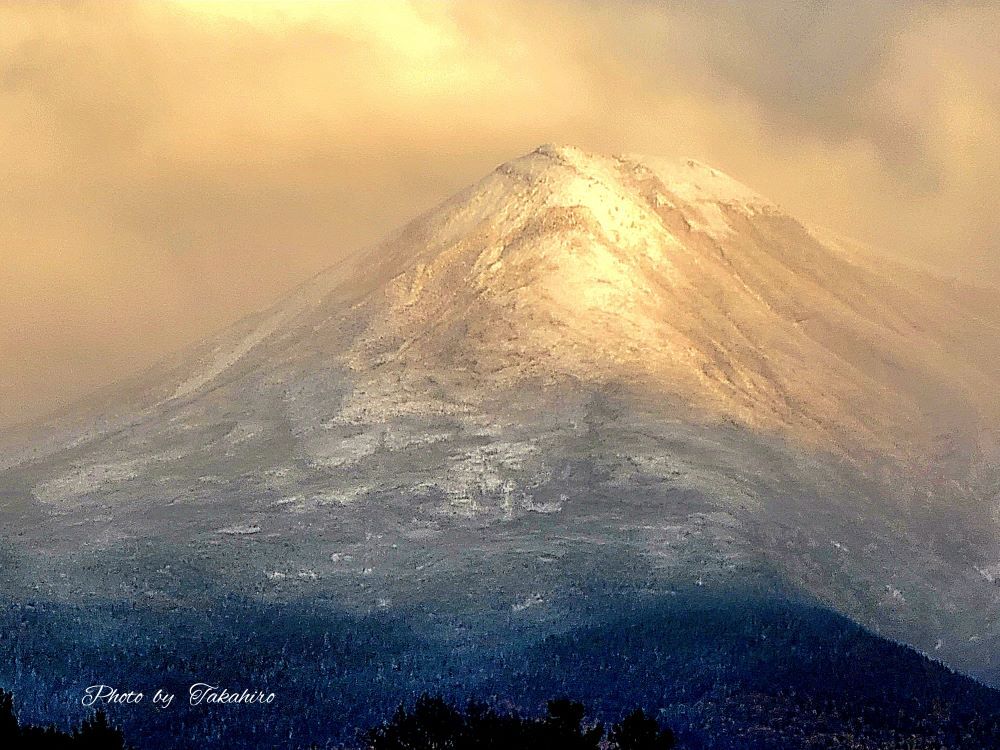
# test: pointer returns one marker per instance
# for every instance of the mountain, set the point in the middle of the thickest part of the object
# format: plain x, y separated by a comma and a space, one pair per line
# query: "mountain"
579, 373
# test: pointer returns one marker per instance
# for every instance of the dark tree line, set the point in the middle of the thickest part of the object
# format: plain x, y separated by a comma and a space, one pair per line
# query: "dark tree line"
434, 724
94, 733
725, 672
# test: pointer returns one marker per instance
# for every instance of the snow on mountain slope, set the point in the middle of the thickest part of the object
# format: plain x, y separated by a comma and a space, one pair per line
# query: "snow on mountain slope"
631, 354
563, 264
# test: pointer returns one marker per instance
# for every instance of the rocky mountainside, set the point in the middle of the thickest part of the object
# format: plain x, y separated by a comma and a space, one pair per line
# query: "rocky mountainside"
579, 358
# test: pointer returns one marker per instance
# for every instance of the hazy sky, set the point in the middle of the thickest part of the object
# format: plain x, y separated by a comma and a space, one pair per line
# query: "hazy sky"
166, 167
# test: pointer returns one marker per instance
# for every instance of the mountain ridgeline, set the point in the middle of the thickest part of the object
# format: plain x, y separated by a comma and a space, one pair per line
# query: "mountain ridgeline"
582, 378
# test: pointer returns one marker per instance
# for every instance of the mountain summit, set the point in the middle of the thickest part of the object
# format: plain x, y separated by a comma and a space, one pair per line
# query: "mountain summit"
671, 278
578, 356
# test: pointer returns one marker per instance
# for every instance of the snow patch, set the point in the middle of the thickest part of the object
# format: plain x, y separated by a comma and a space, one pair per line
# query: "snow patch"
707, 190
239, 530
990, 572
532, 601
85, 480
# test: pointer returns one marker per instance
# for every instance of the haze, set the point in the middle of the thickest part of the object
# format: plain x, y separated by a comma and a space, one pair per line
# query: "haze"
168, 167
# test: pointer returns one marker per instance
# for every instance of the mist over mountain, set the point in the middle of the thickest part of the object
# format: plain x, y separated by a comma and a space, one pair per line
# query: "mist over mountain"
581, 369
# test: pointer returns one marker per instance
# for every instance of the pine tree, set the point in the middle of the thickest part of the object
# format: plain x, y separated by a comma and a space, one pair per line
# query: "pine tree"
637, 731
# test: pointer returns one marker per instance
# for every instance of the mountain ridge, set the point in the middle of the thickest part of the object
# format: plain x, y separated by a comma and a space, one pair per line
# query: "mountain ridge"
638, 358
607, 279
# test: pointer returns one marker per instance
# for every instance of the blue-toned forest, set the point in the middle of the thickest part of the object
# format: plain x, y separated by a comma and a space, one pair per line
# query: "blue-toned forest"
720, 670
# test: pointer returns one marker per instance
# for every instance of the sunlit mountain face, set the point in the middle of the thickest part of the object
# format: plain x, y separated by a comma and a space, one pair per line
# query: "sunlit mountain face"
586, 395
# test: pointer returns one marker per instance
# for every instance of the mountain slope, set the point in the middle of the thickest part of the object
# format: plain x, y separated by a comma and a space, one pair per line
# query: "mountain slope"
578, 357
562, 264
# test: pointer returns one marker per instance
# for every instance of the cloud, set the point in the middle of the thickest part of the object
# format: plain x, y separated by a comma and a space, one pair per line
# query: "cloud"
879, 118
810, 66
170, 166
